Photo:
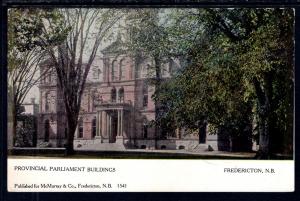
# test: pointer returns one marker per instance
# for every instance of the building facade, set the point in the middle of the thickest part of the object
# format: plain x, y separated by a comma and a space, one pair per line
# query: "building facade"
116, 109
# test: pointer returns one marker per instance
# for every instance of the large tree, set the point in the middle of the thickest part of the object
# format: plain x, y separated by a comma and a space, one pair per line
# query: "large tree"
72, 59
237, 58
148, 39
24, 56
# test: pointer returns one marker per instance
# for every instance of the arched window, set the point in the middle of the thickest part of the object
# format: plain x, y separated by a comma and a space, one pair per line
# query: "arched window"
94, 127
145, 95
122, 70
47, 130
121, 95
47, 102
80, 128
47, 74
114, 69
148, 68
113, 95
96, 73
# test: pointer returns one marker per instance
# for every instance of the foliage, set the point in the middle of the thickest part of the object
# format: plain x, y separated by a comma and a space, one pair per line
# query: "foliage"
240, 66
25, 52
70, 39
26, 131
147, 33
72, 59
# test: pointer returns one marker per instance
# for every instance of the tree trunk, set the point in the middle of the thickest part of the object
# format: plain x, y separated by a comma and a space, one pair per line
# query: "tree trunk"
157, 85
264, 138
202, 131
263, 97
72, 123
14, 125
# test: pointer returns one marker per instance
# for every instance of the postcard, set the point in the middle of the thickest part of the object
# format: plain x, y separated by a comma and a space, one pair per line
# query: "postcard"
150, 99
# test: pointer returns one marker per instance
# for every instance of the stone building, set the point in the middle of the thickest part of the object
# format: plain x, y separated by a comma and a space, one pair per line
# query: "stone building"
116, 109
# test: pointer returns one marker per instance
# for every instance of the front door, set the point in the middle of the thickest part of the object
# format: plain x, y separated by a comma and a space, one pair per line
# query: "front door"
114, 128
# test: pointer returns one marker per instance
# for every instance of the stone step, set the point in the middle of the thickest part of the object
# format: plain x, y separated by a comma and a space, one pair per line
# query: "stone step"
102, 146
201, 148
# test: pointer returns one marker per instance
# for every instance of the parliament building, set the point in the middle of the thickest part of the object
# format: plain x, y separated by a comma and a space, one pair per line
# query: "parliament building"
116, 109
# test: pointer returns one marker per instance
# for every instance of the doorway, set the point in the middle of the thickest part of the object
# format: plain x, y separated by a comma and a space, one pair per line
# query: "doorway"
114, 127
47, 130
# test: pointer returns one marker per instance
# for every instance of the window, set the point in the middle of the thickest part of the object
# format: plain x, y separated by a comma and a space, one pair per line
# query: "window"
145, 128
96, 73
145, 95
114, 70
47, 102
48, 77
181, 147
163, 147
122, 70
94, 127
121, 95
146, 70
47, 130
113, 95
80, 128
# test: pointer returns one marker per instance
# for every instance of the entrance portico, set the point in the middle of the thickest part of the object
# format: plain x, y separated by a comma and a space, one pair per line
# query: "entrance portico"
110, 122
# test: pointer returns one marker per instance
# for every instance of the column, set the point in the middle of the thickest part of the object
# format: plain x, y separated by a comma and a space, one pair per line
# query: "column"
100, 124
121, 119
97, 124
118, 132
131, 125
109, 126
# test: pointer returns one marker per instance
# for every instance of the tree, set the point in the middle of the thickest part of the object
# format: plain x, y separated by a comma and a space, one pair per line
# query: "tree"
73, 58
210, 92
24, 56
148, 39
249, 51
265, 52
